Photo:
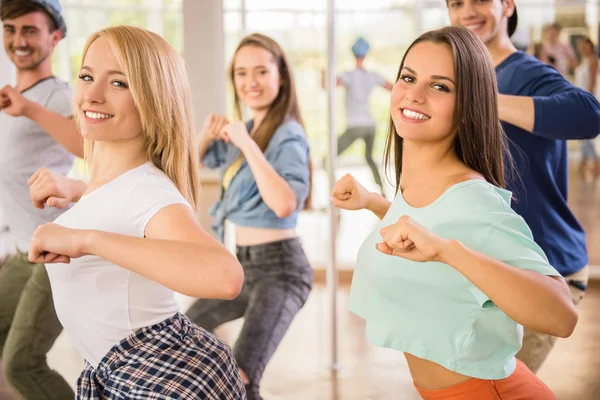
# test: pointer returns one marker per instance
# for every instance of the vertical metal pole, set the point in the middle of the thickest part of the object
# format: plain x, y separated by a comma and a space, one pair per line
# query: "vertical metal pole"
243, 13
332, 276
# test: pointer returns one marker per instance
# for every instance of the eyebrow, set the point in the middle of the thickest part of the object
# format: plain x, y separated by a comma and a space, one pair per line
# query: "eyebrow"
110, 72
23, 27
437, 77
243, 68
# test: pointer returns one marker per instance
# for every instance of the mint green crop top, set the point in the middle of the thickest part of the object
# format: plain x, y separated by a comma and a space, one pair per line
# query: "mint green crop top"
432, 311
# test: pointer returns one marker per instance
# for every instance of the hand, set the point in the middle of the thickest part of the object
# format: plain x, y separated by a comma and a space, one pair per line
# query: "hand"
238, 134
411, 241
4, 100
349, 194
53, 243
13, 102
213, 127
51, 189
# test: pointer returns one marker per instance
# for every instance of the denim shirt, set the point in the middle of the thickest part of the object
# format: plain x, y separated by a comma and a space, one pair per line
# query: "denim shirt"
287, 152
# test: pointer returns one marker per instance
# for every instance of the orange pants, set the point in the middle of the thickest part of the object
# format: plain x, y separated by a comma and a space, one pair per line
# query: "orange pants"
521, 385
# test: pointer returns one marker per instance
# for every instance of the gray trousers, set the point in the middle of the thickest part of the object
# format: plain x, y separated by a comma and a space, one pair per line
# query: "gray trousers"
278, 280
366, 133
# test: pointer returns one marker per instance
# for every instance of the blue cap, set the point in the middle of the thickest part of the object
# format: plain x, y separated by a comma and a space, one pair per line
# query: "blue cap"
360, 48
54, 10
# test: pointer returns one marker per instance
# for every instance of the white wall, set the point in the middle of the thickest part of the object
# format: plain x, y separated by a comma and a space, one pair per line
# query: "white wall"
7, 72
7, 76
204, 53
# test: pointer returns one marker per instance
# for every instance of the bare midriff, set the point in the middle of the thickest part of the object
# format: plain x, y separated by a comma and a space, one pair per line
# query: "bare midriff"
249, 236
431, 376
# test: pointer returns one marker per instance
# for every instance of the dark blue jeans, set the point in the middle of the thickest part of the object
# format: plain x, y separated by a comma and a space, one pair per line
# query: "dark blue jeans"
278, 280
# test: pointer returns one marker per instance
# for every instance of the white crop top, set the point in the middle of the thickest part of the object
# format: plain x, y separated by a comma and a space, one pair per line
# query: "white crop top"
100, 303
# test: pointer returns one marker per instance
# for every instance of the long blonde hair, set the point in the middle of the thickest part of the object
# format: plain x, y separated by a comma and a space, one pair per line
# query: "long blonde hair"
160, 88
284, 108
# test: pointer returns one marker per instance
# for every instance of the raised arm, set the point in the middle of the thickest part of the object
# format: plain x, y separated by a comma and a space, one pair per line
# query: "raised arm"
349, 194
211, 145
175, 252
510, 271
62, 129
537, 301
283, 184
48, 188
556, 110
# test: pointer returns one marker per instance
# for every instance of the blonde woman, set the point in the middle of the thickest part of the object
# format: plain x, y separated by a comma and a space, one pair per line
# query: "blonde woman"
116, 257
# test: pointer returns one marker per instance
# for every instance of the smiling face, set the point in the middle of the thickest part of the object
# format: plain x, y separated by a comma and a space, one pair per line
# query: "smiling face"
256, 77
423, 99
106, 109
28, 40
486, 18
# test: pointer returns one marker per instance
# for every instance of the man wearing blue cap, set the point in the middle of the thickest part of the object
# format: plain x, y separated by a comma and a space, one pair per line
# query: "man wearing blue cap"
359, 123
540, 111
35, 131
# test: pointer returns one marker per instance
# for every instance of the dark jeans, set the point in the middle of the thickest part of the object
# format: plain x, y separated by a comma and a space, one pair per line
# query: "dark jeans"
278, 280
28, 329
366, 133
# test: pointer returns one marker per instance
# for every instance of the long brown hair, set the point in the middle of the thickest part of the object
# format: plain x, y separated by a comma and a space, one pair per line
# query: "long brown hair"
480, 142
153, 67
284, 108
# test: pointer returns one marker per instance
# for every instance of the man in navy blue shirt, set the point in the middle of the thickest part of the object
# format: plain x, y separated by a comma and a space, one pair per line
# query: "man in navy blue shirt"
540, 111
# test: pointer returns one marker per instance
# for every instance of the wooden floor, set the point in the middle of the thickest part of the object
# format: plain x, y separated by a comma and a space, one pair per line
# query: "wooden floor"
584, 200
301, 368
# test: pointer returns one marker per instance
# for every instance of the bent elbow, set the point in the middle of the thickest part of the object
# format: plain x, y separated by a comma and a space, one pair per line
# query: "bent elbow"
566, 321
284, 212
286, 209
235, 281
567, 326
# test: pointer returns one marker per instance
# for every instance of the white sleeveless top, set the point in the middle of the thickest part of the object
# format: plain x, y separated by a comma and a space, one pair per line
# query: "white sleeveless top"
100, 303
582, 74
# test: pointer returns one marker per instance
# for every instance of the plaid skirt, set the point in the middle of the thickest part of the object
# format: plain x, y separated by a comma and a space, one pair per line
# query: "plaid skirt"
173, 359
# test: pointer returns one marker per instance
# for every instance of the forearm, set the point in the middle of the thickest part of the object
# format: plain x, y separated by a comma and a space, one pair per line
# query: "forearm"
572, 114
192, 269
529, 298
63, 130
517, 110
274, 189
378, 205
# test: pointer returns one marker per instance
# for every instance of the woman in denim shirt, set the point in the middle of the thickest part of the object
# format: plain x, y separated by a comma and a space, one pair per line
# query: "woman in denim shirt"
265, 182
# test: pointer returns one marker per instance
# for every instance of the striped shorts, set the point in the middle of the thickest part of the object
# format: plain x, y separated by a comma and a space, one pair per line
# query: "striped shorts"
173, 359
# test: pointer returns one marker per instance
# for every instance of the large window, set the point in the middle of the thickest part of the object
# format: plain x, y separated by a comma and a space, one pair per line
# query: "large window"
389, 26
83, 17
300, 28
